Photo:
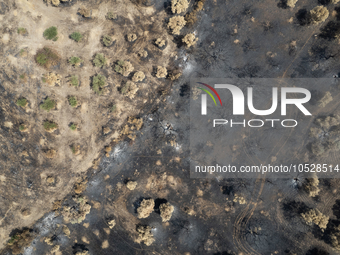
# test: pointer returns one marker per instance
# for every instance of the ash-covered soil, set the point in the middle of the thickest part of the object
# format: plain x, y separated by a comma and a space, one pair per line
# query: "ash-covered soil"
138, 198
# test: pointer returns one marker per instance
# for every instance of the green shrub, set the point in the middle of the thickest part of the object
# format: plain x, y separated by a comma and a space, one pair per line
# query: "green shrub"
113, 108
46, 57
107, 40
74, 81
73, 101
111, 15
22, 30
119, 66
75, 61
99, 60
76, 36
48, 104
22, 102
49, 125
22, 76
22, 127
98, 82
73, 126
51, 33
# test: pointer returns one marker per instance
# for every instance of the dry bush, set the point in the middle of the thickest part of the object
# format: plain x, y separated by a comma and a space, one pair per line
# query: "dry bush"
145, 235
166, 211
311, 186
83, 11
191, 17
145, 208
124, 68
20, 240
175, 75
178, 6
335, 1
129, 89
319, 14
50, 153
142, 53
138, 76
52, 79
160, 42
176, 24
161, 72
291, 3
131, 37
77, 213
316, 217
190, 40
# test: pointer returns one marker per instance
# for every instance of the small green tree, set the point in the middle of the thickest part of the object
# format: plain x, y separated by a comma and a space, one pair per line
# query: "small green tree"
73, 127
22, 30
75, 61
98, 82
111, 15
74, 81
73, 101
49, 125
76, 36
99, 60
22, 127
22, 102
51, 33
107, 40
48, 104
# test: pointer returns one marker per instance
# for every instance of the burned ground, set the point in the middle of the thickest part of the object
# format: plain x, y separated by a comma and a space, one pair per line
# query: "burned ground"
235, 39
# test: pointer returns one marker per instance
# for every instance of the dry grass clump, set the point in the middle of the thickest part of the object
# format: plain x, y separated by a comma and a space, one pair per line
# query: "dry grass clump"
161, 72
319, 14
133, 125
131, 185
131, 37
124, 68
83, 11
239, 199
316, 217
160, 42
190, 40
291, 3
138, 76
129, 89
50, 153
55, 2
52, 79
176, 24
178, 6
145, 208
166, 211
145, 235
